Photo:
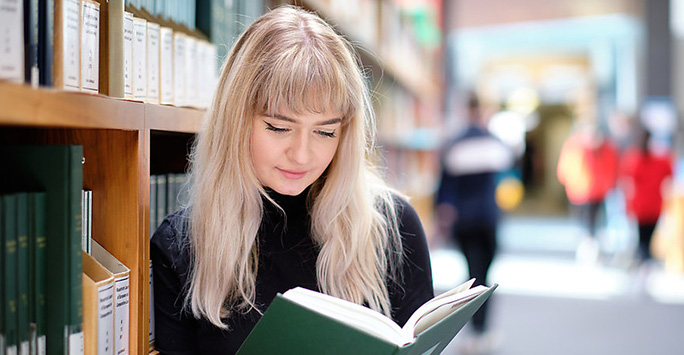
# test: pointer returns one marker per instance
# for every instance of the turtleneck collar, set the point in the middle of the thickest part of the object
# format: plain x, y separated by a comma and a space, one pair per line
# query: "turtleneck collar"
292, 205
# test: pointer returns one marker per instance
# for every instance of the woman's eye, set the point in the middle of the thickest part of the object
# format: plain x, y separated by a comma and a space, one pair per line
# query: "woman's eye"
329, 134
273, 128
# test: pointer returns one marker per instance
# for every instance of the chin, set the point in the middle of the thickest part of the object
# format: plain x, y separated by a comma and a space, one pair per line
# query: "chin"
289, 190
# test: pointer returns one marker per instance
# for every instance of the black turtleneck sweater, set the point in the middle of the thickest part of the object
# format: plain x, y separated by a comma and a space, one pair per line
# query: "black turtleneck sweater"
287, 258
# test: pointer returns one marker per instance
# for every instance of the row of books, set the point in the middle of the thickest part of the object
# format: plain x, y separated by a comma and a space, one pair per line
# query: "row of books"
168, 193
54, 297
107, 47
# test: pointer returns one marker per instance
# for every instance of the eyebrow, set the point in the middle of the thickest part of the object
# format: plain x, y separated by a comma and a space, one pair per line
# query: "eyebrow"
292, 120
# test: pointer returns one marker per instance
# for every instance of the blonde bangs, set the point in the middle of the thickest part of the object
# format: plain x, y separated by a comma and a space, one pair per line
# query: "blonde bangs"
303, 79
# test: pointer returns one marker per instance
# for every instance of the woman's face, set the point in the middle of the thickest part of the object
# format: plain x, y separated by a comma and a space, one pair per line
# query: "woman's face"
290, 151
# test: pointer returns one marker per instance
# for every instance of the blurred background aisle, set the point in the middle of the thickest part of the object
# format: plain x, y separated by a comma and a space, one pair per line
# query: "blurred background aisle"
548, 304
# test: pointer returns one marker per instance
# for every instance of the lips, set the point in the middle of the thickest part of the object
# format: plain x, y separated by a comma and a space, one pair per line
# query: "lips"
291, 174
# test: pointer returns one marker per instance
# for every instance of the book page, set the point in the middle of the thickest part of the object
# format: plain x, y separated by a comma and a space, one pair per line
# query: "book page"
436, 309
352, 314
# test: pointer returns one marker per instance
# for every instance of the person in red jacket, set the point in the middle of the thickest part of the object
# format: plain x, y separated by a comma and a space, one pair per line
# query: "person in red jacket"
587, 168
643, 176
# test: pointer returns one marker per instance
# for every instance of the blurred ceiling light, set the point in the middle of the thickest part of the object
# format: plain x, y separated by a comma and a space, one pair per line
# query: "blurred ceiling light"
523, 99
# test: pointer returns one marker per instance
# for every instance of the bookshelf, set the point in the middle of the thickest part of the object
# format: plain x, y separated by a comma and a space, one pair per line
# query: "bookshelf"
117, 136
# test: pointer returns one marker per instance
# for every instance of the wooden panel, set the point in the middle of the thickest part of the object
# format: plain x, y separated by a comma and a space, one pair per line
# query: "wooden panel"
25, 106
173, 119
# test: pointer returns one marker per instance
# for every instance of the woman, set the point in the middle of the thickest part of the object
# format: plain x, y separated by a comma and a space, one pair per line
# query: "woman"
283, 194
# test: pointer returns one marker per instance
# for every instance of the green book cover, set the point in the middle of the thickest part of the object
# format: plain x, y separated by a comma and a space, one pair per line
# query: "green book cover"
161, 198
22, 273
2, 277
301, 327
37, 269
153, 204
57, 170
9, 224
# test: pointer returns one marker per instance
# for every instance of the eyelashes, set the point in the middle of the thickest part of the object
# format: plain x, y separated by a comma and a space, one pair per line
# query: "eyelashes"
327, 134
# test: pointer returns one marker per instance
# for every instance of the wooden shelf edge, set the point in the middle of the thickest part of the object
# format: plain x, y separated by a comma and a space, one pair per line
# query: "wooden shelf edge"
173, 119
44, 107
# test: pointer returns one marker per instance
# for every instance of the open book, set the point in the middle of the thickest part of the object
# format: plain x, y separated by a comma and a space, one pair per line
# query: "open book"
305, 321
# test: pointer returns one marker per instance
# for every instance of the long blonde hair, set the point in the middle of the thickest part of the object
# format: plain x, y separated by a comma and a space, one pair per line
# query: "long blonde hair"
289, 58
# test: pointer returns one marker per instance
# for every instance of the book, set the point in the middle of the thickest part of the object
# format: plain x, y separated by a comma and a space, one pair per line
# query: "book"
179, 79
166, 65
139, 59
308, 322
57, 170
9, 277
98, 307
46, 30
37, 270
12, 41
31, 69
23, 327
153, 62
90, 46
122, 276
67, 45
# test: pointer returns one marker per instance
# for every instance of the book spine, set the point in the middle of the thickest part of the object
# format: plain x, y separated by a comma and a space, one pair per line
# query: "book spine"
31, 66
90, 46
161, 198
139, 59
12, 41
179, 97
153, 204
46, 41
2, 277
38, 242
10, 272
75, 260
105, 319
23, 327
67, 55
166, 66
115, 34
191, 70
152, 63
121, 314
128, 25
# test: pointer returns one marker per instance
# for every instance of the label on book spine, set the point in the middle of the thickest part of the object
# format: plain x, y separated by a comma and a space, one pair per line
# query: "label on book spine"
11, 350
75, 342
105, 319
139, 59
71, 44
90, 48
121, 315
128, 55
166, 65
42, 345
12, 41
153, 62
24, 348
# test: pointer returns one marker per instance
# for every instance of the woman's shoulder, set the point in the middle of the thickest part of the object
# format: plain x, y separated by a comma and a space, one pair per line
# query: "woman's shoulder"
171, 240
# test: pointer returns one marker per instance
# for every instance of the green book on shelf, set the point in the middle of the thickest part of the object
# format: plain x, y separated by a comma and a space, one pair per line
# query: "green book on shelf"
9, 277
22, 273
57, 170
302, 321
37, 270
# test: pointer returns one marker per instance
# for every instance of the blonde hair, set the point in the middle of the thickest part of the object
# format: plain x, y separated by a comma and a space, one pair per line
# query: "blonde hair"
289, 58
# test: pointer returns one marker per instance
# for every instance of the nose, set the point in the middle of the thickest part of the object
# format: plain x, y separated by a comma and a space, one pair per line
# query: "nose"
300, 149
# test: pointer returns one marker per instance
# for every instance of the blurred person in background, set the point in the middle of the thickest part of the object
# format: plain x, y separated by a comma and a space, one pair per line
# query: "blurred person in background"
587, 168
466, 208
644, 175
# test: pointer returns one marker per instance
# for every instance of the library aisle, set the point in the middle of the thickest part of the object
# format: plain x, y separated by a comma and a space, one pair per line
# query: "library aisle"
548, 304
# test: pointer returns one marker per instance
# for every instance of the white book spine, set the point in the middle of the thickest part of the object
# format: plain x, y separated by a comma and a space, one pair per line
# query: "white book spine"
211, 72
139, 59
75, 342
179, 97
12, 41
191, 71
121, 315
128, 55
71, 44
152, 62
105, 319
90, 46
166, 65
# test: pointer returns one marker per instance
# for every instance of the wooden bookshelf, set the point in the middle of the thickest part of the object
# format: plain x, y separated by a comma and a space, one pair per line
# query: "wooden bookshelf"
116, 136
